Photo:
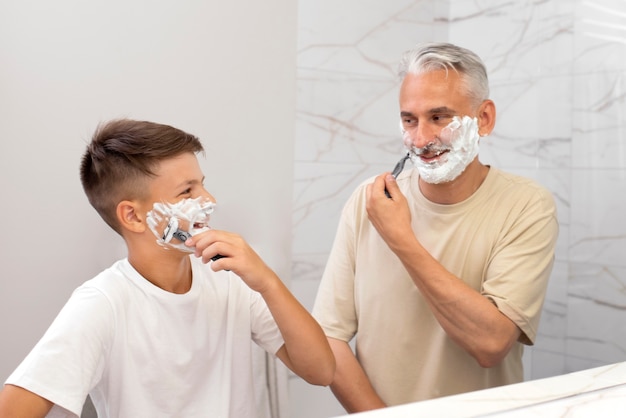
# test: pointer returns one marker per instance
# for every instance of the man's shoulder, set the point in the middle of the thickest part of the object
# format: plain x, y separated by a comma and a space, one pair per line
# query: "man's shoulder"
518, 181
509, 185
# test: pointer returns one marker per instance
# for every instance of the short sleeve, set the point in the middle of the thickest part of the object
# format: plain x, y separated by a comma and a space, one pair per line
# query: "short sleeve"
335, 307
69, 359
518, 275
265, 331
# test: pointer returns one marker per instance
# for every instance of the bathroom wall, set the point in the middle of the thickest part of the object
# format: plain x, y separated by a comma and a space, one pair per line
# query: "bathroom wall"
558, 76
224, 71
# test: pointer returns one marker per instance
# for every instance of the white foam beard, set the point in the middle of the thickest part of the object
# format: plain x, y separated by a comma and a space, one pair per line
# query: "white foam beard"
192, 213
460, 139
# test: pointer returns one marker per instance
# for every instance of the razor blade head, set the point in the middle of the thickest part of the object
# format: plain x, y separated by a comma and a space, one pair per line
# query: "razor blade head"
181, 235
170, 229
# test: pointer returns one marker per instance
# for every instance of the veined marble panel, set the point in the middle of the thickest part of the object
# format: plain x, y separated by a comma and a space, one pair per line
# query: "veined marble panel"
573, 363
517, 40
534, 124
347, 84
603, 403
364, 36
604, 285
599, 137
552, 327
599, 391
347, 119
600, 36
545, 363
596, 308
321, 190
547, 356
598, 228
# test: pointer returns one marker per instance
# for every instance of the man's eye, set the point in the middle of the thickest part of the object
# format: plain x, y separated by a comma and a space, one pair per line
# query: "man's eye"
186, 191
441, 118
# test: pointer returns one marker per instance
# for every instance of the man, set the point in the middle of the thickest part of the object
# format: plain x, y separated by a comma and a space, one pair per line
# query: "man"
441, 273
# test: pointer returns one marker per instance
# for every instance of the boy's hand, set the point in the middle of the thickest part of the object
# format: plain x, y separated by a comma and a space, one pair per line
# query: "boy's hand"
237, 256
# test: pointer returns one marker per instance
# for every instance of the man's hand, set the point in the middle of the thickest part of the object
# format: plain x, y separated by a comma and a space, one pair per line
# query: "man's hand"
389, 215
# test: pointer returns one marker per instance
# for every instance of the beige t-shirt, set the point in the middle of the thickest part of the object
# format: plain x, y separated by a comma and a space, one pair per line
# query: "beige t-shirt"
500, 241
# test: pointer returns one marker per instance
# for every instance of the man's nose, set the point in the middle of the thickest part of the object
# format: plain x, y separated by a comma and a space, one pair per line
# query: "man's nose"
420, 136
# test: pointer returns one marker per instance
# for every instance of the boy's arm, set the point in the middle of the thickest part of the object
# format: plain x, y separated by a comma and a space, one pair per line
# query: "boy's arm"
306, 350
351, 386
17, 402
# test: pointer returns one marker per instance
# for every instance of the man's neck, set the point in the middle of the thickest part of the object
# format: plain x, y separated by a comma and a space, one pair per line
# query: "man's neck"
459, 189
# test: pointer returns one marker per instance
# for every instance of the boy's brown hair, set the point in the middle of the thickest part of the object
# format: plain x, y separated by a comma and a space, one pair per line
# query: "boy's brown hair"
122, 156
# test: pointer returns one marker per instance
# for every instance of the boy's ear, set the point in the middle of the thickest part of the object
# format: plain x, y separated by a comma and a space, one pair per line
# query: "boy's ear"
129, 216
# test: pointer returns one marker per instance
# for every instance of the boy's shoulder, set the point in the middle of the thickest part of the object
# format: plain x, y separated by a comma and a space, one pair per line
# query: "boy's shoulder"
112, 283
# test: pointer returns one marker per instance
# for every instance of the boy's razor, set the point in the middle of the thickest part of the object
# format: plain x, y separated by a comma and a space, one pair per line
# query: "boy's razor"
172, 231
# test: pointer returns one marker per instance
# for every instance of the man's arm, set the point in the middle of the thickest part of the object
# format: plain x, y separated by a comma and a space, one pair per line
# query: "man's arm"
468, 317
16, 402
306, 350
351, 386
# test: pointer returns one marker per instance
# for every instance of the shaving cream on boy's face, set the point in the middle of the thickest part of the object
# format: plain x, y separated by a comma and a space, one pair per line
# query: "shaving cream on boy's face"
451, 152
191, 216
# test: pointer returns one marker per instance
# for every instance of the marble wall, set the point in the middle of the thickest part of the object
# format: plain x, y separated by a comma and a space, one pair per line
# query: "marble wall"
558, 76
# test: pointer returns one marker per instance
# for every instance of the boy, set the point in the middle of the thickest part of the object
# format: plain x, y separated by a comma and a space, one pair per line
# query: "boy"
161, 333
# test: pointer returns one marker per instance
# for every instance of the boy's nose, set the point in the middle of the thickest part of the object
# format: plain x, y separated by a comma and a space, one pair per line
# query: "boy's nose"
208, 195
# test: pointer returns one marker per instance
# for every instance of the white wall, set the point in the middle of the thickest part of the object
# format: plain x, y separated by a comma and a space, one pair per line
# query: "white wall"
224, 71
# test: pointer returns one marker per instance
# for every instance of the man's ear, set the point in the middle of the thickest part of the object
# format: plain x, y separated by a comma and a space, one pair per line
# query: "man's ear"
486, 117
129, 216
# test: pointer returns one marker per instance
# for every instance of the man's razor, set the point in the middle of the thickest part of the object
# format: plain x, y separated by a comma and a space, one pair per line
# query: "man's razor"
398, 169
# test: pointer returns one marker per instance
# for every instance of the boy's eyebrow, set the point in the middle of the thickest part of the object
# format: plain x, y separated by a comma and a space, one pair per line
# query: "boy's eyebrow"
190, 182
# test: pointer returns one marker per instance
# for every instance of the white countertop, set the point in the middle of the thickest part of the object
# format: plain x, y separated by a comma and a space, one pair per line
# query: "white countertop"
599, 392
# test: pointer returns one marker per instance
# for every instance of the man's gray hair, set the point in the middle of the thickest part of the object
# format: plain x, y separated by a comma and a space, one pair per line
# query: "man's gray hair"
444, 56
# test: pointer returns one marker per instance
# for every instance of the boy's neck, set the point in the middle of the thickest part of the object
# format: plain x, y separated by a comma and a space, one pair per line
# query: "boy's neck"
170, 270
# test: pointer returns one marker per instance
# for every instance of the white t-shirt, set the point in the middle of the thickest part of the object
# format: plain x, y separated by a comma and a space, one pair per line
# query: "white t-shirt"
140, 351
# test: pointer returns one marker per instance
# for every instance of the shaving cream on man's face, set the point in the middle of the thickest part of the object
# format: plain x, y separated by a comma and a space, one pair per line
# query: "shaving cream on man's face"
450, 153
176, 221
